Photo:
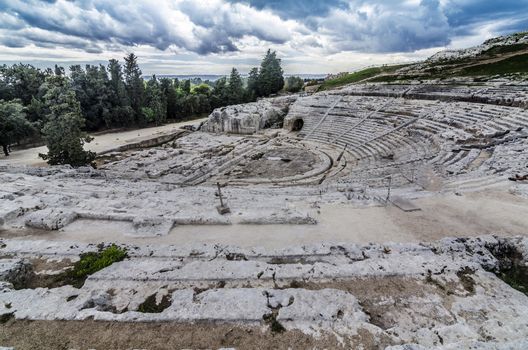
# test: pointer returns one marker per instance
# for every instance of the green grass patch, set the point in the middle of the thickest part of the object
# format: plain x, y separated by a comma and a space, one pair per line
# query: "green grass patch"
77, 273
90, 263
358, 76
94, 261
515, 64
393, 78
502, 49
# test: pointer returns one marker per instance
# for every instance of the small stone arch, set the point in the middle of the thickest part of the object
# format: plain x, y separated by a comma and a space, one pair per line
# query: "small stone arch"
297, 125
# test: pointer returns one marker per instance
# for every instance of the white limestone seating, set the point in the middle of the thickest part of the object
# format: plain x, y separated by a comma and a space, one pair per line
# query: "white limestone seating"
376, 128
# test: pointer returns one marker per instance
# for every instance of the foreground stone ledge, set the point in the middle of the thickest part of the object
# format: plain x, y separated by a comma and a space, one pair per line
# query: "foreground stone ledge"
440, 295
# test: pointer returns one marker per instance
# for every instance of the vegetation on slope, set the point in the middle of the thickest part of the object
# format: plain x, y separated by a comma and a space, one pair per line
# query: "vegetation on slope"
466, 68
504, 49
515, 64
358, 76
504, 56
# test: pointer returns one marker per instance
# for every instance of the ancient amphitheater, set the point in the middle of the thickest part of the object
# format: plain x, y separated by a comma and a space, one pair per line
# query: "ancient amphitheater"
373, 216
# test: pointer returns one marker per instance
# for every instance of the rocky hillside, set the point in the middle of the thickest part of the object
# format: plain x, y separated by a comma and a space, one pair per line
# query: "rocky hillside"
500, 57
500, 45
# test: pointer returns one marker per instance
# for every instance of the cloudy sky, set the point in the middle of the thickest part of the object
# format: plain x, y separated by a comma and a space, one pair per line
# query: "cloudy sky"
211, 36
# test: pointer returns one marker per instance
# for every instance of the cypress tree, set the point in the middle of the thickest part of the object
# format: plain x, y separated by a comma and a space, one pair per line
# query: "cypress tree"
271, 79
235, 87
135, 87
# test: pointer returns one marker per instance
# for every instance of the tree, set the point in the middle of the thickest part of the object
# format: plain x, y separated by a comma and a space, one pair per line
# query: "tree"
36, 111
270, 80
155, 105
64, 123
59, 71
186, 86
134, 87
168, 89
235, 88
294, 84
20, 81
252, 84
92, 91
117, 95
202, 89
220, 94
13, 124
121, 114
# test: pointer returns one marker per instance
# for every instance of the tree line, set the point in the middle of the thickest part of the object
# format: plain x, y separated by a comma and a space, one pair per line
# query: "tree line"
60, 108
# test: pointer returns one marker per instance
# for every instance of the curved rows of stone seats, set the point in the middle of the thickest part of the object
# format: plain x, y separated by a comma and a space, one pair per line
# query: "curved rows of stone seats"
386, 127
504, 94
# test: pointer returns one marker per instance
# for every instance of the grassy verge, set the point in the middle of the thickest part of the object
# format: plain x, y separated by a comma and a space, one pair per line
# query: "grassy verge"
515, 64
358, 76
88, 264
503, 49
94, 261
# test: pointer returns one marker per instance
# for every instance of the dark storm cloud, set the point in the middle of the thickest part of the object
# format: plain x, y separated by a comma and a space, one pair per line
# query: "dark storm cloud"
137, 23
296, 9
371, 27
218, 26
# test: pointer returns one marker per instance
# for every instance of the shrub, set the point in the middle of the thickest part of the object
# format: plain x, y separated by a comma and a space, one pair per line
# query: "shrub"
94, 261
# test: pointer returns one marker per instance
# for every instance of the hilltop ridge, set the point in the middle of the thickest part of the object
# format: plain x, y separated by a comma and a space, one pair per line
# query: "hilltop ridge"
496, 58
502, 44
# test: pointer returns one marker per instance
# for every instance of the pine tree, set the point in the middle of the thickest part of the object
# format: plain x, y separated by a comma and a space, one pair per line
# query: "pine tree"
91, 88
155, 105
169, 92
252, 84
64, 123
120, 114
235, 88
20, 81
186, 86
219, 95
13, 124
134, 87
271, 79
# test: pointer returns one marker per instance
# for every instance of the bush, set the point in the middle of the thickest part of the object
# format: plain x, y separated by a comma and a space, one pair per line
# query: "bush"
294, 84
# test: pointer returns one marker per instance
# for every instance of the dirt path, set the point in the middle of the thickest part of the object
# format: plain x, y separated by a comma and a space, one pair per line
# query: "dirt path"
36, 335
100, 143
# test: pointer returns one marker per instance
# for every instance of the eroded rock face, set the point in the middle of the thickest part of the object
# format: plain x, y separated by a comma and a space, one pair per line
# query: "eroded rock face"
248, 118
13, 272
441, 295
